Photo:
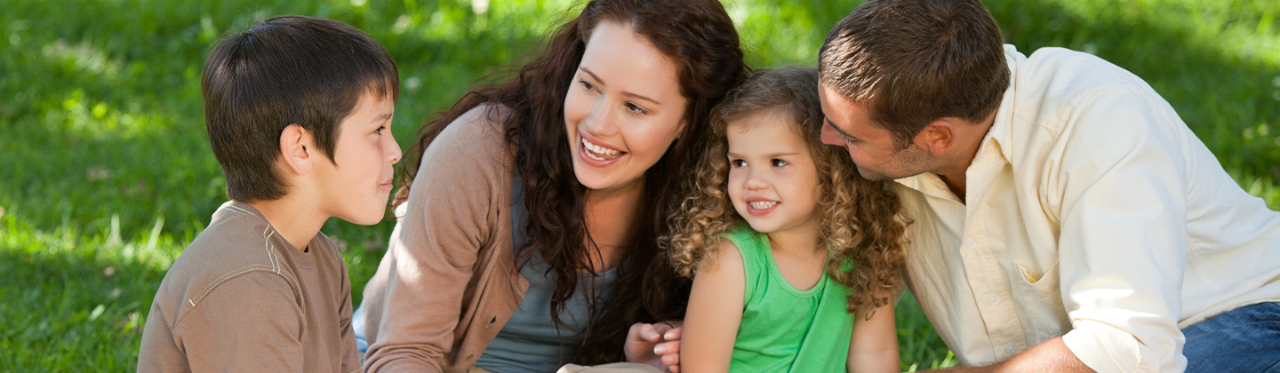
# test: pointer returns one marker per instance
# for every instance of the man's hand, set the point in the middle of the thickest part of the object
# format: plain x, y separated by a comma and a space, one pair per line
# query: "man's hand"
1052, 356
655, 344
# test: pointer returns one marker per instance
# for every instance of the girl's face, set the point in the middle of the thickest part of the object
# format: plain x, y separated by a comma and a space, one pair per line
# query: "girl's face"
773, 180
623, 109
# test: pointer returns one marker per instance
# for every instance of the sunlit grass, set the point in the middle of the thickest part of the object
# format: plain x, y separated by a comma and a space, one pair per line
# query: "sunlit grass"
106, 174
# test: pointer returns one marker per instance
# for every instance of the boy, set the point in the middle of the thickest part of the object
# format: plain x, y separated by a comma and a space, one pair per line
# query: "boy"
298, 111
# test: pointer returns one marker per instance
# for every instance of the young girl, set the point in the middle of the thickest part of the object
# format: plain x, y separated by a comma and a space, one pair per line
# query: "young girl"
785, 239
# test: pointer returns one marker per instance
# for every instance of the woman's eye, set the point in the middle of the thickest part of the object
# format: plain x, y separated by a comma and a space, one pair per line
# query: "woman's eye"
737, 163
588, 86
778, 162
636, 109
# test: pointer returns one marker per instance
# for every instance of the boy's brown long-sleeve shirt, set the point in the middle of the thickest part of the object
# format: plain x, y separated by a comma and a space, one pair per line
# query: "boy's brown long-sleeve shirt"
241, 298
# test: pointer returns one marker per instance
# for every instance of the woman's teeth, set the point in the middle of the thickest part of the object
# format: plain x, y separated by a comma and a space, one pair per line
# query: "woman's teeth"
599, 153
761, 205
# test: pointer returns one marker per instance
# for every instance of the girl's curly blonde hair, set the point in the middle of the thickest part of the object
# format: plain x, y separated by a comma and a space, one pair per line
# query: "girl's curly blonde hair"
861, 221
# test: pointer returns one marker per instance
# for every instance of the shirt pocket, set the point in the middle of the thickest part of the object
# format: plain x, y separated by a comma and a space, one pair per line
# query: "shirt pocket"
1040, 295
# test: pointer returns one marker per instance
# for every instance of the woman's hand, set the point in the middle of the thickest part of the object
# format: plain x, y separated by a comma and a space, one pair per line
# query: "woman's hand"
655, 344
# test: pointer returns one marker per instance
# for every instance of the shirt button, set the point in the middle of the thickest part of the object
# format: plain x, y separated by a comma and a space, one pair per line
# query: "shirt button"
971, 242
992, 300
1008, 349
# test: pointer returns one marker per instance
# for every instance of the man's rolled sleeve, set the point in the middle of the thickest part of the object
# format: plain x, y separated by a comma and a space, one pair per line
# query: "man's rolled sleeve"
1123, 244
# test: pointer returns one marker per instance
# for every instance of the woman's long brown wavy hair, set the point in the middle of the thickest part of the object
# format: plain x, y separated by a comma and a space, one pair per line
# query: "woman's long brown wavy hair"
861, 222
699, 38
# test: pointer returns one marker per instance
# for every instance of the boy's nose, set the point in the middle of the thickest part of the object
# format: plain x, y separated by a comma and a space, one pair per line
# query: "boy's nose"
396, 153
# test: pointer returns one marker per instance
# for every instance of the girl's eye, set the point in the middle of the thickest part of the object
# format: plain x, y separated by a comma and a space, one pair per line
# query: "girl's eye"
636, 109
778, 162
737, 163
379, 130
850, 140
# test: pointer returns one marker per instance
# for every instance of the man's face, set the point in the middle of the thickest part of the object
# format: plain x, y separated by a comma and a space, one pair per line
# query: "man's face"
848, 125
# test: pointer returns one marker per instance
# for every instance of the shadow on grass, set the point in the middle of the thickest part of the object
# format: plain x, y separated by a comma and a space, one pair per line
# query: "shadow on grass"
1220, 94
72, 311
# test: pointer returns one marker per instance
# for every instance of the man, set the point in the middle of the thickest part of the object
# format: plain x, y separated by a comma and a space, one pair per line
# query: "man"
1064, 217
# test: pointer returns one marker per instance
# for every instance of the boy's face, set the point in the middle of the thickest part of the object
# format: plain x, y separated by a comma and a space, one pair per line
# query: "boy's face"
356, 188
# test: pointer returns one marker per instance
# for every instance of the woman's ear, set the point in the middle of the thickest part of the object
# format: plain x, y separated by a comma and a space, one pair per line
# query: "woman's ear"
297, 149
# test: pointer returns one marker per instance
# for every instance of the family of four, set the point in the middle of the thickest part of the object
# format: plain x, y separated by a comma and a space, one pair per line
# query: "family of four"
634, 198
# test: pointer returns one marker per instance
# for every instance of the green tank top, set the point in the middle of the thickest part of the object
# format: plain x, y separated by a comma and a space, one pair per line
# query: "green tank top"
784, 329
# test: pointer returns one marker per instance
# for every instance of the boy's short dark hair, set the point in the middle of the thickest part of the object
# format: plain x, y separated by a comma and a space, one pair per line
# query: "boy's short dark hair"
281, 71
914, 61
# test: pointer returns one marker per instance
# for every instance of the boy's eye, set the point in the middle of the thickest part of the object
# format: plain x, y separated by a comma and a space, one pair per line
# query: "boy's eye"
778, 162
737, 163
636, 109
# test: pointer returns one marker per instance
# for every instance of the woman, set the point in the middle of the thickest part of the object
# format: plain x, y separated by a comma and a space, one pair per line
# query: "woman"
528, 239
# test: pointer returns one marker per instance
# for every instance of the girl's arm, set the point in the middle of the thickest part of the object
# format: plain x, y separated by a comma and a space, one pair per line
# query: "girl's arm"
715, 309
873, 346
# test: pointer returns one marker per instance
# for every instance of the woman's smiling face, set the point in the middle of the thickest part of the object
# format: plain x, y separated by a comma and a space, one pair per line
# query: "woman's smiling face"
623, 109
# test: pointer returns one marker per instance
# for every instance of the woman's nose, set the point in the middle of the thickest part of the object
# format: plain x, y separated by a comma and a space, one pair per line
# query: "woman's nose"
601, 121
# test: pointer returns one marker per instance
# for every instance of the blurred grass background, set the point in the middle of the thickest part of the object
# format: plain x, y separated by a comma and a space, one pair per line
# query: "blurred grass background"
106, 174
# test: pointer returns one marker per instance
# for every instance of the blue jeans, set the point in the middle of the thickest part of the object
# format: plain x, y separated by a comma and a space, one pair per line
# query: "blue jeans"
1246, 339
357, 323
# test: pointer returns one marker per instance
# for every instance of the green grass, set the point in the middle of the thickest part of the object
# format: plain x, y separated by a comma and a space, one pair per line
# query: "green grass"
105, 172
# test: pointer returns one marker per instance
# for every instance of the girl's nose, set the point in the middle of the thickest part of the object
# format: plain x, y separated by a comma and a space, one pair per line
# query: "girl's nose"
755, 180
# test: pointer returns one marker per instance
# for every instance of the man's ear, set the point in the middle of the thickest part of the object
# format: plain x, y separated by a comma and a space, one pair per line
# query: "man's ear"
938, 136
297, 149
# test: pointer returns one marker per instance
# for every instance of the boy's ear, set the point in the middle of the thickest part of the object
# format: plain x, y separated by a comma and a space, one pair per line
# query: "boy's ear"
297, 149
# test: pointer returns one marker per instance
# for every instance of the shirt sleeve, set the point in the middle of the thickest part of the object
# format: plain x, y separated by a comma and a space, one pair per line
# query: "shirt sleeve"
250, 323
1123, 240
416, 296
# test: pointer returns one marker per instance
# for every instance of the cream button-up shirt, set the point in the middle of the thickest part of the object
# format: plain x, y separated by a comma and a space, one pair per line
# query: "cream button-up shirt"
1093, 213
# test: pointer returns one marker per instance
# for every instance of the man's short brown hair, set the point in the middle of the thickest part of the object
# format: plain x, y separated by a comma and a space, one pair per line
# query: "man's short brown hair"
915, 61
286, 70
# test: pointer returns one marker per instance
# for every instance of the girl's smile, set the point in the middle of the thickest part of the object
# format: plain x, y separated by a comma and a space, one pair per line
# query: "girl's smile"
759, 206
